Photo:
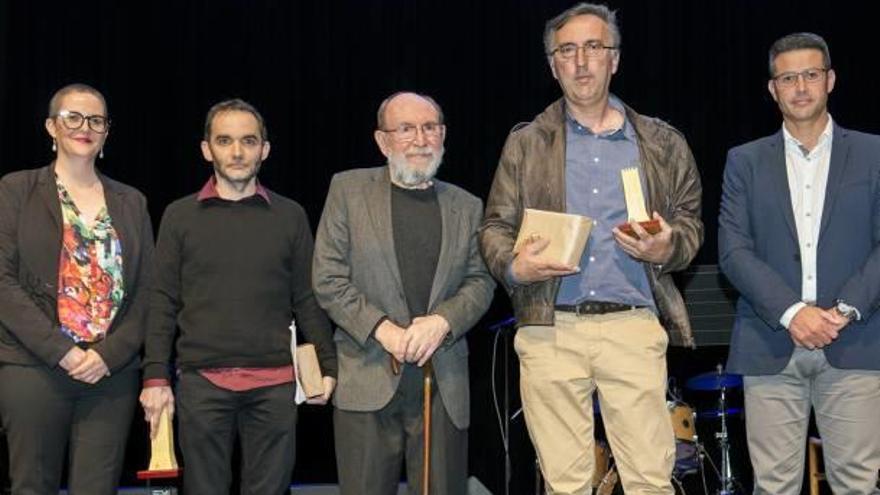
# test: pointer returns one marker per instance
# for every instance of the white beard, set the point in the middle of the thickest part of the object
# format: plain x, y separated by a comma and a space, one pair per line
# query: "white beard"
410, 176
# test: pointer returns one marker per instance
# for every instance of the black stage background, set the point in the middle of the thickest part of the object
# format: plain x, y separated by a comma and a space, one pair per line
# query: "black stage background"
318, 70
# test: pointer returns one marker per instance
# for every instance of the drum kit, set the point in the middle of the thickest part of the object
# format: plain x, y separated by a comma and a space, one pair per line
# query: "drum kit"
689, 450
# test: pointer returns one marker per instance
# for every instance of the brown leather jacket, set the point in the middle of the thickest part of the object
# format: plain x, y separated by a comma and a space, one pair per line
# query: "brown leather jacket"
531, 174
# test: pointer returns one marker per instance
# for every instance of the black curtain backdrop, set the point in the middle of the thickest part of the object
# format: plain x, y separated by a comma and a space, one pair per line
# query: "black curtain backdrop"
318, 70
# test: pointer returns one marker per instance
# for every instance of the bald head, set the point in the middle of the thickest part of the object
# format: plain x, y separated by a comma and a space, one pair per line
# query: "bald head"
403, 101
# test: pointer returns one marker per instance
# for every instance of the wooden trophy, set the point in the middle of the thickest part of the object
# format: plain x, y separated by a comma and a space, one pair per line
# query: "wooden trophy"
566, 232
635, 204
163, 462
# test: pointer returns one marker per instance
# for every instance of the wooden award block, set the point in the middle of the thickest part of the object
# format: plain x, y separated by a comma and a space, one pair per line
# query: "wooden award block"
163, 462
635, 204
567, 233
651, 226
309, 371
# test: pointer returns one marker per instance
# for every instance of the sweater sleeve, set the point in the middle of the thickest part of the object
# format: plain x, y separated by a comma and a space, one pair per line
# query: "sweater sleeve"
165, 300
309, 316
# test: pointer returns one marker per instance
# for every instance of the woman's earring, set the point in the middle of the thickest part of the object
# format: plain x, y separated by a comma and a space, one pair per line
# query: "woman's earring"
54, 146
101, 154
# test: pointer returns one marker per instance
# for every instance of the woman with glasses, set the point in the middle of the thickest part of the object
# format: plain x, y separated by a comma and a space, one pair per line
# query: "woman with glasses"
74, 254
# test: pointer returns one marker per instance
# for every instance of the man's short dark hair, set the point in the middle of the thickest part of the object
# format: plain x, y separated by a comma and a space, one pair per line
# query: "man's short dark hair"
380, 114
55, 101
799, 41
235, 105
583, 8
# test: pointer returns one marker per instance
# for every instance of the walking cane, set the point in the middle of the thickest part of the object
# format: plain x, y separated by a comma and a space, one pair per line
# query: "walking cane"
427, 370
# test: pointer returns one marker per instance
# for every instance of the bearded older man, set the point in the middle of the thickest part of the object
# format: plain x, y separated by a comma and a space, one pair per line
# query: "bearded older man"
398, 268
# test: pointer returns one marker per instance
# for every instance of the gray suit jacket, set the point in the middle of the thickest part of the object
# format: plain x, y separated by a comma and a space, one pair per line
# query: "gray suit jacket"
357, 281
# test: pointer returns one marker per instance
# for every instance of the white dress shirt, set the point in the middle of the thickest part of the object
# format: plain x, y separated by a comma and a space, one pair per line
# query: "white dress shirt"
807, 172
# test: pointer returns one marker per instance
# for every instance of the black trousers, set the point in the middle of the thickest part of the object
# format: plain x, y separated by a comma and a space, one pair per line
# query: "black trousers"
371, 447
44, 411
211, 417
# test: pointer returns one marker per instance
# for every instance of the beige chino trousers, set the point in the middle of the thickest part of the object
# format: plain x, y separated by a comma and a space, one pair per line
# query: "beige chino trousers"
621, 355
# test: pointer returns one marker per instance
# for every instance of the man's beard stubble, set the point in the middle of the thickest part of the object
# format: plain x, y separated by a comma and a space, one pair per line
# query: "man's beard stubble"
238, 182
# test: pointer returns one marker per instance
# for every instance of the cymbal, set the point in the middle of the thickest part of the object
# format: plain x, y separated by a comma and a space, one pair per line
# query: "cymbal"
714, 380
716, 413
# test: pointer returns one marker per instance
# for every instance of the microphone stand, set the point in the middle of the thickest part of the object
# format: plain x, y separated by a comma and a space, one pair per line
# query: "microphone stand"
504, 327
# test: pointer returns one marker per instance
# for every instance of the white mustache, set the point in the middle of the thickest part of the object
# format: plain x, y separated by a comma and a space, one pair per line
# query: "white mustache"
421, 150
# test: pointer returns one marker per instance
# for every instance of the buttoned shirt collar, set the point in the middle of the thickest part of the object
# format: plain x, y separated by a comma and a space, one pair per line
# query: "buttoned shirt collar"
824, 139
625, 131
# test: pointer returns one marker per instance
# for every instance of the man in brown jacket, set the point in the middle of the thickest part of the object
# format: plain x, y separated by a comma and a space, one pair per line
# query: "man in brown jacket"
600, 324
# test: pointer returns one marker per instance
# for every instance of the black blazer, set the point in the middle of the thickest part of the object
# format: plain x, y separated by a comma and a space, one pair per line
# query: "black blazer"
30, 249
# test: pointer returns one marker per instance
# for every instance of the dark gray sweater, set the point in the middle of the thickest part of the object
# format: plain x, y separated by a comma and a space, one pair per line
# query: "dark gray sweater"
417, 228
231, 275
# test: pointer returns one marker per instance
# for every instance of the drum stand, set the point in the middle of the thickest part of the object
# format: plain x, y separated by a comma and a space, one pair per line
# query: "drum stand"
721, 381
726, 475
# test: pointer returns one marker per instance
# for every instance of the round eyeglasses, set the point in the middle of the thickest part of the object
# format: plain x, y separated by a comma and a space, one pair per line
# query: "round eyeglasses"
408, 132
74, 120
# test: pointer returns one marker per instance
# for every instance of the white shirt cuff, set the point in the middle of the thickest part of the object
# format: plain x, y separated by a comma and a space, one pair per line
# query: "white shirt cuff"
792, 310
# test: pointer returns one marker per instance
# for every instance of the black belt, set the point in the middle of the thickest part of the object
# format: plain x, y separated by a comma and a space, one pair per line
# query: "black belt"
595, 307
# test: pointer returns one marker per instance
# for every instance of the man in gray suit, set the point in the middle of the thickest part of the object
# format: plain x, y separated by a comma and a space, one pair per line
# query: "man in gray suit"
398, 268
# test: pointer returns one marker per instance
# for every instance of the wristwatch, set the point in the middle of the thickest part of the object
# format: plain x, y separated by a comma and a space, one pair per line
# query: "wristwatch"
845, 310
